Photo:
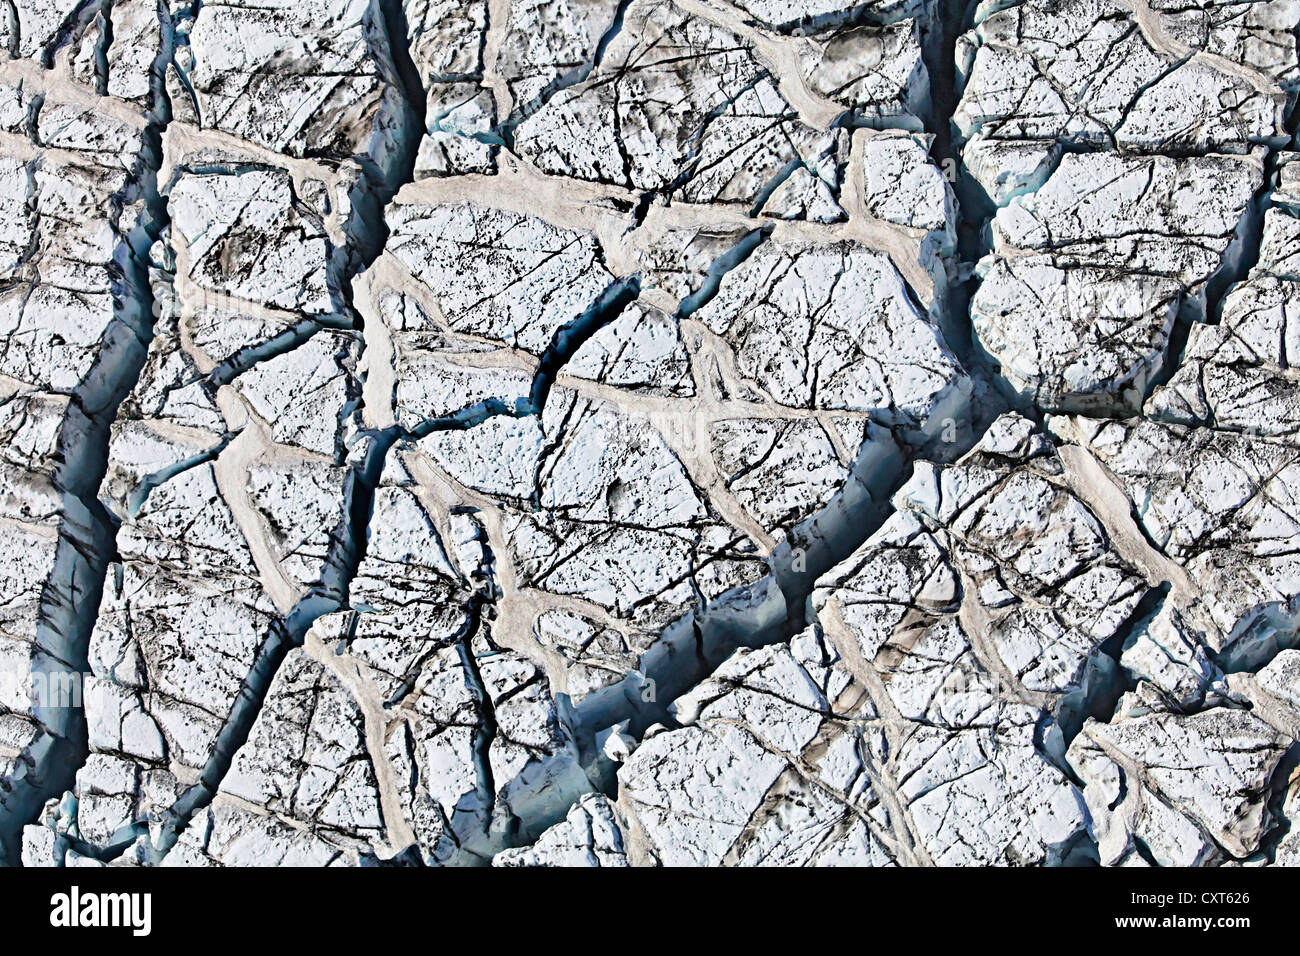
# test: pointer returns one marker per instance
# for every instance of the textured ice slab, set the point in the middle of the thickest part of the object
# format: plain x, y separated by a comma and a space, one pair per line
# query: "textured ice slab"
1178, 790
1142, 77
1102, 131
1088, 274
298, 78
676, 103
1216, 503
1236, 375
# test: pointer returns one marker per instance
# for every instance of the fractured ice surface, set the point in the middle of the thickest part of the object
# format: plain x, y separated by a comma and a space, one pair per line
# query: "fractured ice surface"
1123, 145
598, 433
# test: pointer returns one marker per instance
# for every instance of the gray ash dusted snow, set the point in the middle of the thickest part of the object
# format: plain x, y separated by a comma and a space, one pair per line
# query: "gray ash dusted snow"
619, 432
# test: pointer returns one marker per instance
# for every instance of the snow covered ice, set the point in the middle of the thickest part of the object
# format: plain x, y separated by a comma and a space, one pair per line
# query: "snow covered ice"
633, 432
